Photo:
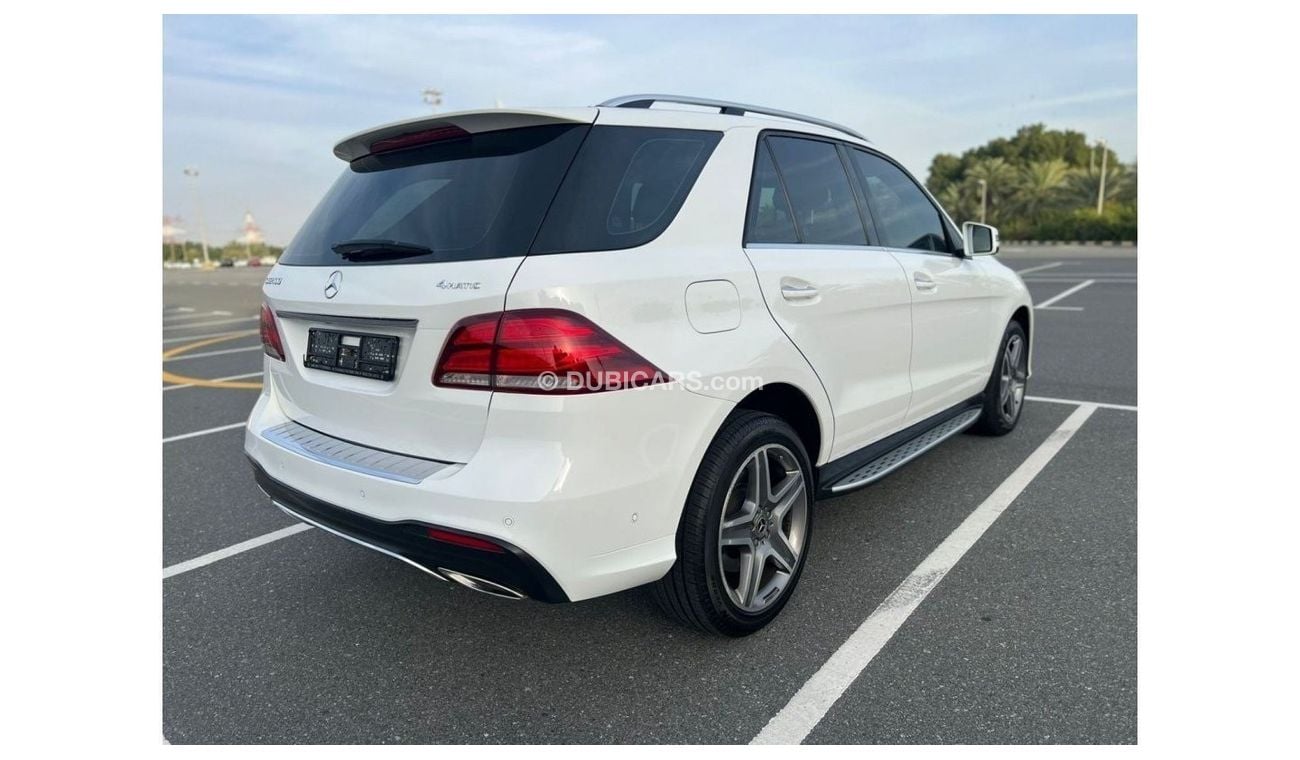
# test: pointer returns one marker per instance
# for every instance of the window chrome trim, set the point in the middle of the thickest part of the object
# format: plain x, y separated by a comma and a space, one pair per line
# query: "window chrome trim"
820, 246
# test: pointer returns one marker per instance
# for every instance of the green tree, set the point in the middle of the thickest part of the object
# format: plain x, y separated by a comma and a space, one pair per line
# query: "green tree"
1041, 183
1121, 185
1039, 186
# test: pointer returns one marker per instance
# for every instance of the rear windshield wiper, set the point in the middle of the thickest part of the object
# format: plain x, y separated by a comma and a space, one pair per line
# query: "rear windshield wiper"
356, 250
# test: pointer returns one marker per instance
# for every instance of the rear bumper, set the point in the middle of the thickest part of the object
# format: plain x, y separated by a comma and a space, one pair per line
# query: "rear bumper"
585, 492
511, 568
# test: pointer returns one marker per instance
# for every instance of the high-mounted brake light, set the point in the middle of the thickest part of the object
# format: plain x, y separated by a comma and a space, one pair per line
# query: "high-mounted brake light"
539, 351
412, 139
271, 344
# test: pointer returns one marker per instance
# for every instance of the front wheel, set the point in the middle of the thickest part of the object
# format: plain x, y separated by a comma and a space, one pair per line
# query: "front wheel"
745, 529
1004, 396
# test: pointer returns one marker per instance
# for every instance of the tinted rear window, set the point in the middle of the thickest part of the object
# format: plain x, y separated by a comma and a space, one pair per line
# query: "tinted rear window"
477, 197
770, 219
820, 194
625, 188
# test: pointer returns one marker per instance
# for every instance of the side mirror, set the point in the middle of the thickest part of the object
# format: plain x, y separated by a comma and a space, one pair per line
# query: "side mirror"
979, 239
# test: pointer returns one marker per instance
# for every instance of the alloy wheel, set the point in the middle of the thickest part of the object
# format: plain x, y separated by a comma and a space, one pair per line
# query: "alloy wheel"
763, 527
1012, 380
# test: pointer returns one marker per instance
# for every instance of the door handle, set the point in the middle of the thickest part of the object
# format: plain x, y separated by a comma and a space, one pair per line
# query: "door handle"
924, 281
798, 292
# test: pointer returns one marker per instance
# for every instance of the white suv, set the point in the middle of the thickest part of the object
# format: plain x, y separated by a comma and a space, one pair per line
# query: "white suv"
561, 353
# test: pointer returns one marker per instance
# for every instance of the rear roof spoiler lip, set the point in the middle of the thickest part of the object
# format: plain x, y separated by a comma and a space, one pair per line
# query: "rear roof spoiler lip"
358, 145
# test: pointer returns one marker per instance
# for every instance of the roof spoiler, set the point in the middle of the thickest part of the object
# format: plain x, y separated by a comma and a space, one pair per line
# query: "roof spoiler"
358, 145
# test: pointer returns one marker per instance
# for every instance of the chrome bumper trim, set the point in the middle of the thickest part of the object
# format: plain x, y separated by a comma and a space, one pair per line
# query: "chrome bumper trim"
326, 449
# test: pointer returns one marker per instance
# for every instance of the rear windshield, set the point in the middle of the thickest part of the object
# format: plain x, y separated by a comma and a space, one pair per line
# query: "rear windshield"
478, 197
486, 195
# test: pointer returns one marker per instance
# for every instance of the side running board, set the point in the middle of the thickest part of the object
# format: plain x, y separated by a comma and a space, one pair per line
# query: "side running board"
904, 452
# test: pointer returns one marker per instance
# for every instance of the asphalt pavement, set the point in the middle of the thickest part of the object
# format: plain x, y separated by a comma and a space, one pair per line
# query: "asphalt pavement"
1030, 637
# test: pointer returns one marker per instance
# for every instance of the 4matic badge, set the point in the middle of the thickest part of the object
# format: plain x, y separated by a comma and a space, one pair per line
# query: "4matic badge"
460, 285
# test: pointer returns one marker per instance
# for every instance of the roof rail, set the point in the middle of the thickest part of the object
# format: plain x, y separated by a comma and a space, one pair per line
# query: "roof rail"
723, 106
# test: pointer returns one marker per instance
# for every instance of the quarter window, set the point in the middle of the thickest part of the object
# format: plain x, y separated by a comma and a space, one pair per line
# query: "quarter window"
770, 219
624, 188
905, 217
825, 211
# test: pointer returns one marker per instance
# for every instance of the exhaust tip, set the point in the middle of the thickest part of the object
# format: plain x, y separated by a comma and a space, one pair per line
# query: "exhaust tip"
480, 585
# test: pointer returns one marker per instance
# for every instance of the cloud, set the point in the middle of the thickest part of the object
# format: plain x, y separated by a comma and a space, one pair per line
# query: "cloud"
258, 102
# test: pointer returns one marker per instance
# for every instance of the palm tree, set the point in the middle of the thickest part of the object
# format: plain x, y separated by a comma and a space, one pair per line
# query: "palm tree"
1001, 179
1121, 185
956, 200
1039, 187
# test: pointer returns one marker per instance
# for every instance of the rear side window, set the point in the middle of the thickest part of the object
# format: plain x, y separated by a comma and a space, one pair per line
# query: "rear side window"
624, 188
905, 217
825, 211
770, 219
476, 197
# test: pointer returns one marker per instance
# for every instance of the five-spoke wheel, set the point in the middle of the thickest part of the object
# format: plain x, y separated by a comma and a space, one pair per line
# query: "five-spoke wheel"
745, 530
763, 525
1004, 396
1012, 378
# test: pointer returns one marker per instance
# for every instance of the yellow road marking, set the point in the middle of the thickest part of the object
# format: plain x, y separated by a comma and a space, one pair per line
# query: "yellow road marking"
171, 377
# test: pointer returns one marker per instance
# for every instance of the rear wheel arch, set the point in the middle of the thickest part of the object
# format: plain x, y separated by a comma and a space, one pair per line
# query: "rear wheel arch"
792, 405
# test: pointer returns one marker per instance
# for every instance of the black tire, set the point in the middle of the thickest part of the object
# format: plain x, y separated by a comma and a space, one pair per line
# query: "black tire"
997, 418
695, 591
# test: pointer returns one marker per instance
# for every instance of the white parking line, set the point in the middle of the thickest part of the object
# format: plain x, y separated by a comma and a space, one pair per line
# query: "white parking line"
1094, 278
1067, 292
230, 551
1098, 275
174, 318
244, 376
204, 354
185, 338
210, 324
198, 433
1039, 268
1076, 402
816, 697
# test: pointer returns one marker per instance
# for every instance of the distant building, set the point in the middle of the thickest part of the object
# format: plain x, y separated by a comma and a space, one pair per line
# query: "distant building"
171, 232
250, 234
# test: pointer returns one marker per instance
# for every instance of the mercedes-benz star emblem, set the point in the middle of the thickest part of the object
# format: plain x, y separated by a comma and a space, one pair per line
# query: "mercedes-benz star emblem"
332, 284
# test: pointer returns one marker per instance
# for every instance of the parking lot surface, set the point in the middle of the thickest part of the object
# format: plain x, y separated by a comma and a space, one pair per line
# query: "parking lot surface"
278, 633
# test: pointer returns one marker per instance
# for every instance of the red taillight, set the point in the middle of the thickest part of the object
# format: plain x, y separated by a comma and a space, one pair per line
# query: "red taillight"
539, 351
271, 344
460, 539
412, 139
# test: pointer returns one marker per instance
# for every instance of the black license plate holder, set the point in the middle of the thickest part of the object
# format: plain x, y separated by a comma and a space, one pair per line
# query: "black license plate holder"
352, 353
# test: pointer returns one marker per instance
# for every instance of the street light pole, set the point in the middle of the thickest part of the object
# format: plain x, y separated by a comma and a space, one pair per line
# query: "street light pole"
1101, 186
984, 200
190, 171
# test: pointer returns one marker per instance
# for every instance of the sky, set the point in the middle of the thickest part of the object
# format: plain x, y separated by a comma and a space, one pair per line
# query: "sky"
256, 103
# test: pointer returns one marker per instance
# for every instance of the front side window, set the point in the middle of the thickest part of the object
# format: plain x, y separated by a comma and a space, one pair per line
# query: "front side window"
821, 197
905, 217
624, 188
